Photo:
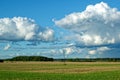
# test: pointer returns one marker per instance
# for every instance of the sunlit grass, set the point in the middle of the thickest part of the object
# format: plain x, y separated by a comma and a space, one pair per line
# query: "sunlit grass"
107, 75
59, 71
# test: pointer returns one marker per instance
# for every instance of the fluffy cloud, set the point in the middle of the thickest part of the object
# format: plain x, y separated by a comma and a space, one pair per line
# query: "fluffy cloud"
22, 28
103, 48
99, 50
92, 52
7, 47
97, 25
47, 35
67, 50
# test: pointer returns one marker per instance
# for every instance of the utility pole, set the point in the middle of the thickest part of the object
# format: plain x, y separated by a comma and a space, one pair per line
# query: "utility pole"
64, 57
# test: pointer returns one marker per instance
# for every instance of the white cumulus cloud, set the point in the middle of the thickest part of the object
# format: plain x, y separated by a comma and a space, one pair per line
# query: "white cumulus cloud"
98, 50
92, 52
97, 25
103, 48
7, 47
22, 28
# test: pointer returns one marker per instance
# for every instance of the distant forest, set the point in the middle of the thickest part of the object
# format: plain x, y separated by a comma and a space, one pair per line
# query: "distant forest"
41, 58
29, 58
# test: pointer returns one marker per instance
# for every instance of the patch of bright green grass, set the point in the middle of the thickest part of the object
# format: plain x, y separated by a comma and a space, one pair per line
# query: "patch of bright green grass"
104, 75
59, 71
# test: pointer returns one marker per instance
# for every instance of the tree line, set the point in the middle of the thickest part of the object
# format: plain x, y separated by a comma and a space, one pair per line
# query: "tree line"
90, 60
30, 58
41, 58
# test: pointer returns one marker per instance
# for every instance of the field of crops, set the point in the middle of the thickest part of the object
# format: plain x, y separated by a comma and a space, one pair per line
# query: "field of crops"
59, 71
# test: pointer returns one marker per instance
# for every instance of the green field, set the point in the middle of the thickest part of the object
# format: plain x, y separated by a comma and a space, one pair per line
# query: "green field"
59, 71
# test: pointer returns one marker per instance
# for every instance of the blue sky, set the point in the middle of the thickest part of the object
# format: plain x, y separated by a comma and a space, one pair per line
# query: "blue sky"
43, 11
56, 29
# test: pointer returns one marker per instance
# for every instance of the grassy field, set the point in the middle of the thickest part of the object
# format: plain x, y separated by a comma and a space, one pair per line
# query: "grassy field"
59, 71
